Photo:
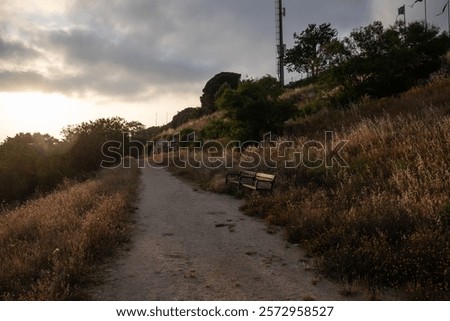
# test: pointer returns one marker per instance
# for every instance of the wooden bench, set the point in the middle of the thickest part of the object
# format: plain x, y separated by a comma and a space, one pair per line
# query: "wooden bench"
252, 180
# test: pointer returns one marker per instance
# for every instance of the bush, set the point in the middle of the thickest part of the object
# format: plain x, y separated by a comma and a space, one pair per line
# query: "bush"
255, 109
217, 129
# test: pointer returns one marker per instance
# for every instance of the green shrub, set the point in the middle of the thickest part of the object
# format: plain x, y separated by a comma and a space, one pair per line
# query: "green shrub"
217, 129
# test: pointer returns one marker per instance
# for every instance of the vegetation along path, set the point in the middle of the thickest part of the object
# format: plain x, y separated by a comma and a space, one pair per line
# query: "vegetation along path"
195, 245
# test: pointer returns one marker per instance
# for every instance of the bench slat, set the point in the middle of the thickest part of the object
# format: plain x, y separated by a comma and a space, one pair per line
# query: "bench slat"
249, 186
264, 176
244, 173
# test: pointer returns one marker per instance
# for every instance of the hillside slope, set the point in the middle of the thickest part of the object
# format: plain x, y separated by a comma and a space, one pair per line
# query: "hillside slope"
384, 219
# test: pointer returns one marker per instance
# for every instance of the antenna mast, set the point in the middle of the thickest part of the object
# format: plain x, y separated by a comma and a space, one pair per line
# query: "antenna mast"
280, 12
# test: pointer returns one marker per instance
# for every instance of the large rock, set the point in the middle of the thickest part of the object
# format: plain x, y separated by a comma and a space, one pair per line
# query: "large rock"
208, 99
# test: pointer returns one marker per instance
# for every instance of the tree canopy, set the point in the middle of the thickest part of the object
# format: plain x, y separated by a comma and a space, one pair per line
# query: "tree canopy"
385, 61
32, 163
254, 108
314, 49
85, 140
373, 60
27, 162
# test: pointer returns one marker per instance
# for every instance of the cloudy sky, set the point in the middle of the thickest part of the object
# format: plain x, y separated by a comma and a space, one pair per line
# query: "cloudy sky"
67, 61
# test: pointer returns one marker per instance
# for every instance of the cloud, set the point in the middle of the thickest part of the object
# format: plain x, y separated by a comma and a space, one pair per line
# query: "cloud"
22, 81
15, 51
344, 15
136, 50
206, 34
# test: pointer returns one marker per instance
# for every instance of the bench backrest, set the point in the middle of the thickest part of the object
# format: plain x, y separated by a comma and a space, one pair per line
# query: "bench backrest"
265, 177
247, 174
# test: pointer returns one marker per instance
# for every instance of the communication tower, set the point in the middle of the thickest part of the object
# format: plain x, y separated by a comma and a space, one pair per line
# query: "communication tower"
280, 13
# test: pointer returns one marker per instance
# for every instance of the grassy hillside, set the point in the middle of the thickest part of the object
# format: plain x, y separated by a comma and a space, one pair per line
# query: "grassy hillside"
48, 245
385, 219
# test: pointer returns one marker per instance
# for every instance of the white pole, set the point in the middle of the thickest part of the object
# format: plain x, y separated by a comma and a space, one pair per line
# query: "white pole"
404, 15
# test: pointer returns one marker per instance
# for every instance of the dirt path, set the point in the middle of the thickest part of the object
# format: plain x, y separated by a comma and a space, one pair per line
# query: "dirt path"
194, 245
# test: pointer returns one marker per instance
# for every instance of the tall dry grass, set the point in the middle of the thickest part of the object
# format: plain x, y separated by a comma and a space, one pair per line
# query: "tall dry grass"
48, 245
385, 219
195, 125
435, 93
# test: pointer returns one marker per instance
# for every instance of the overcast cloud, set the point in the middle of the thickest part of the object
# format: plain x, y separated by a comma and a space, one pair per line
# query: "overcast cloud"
139, 50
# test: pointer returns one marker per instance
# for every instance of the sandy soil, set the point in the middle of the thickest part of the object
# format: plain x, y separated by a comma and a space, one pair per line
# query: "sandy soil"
194, 245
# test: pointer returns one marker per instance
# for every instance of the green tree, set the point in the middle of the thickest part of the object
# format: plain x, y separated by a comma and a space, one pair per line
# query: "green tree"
428, 48
385, 61
36, 162
85, 141
29, 162
316, 48
254, 108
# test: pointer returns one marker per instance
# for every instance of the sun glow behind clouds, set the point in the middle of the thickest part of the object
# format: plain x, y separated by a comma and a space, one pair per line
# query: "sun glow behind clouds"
39, 112
30, 112
36, 6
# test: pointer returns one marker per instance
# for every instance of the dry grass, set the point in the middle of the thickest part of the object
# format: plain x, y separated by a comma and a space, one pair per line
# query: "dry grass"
196, 125
436, 94
386, 218
48, 245
300, 94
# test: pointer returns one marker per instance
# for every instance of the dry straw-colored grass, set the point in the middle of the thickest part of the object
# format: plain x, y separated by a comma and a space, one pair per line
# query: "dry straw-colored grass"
385, 219
48, 245
435, 94
195, 125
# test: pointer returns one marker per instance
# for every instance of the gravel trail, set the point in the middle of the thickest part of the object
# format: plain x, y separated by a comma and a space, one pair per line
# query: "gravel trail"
195, 245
